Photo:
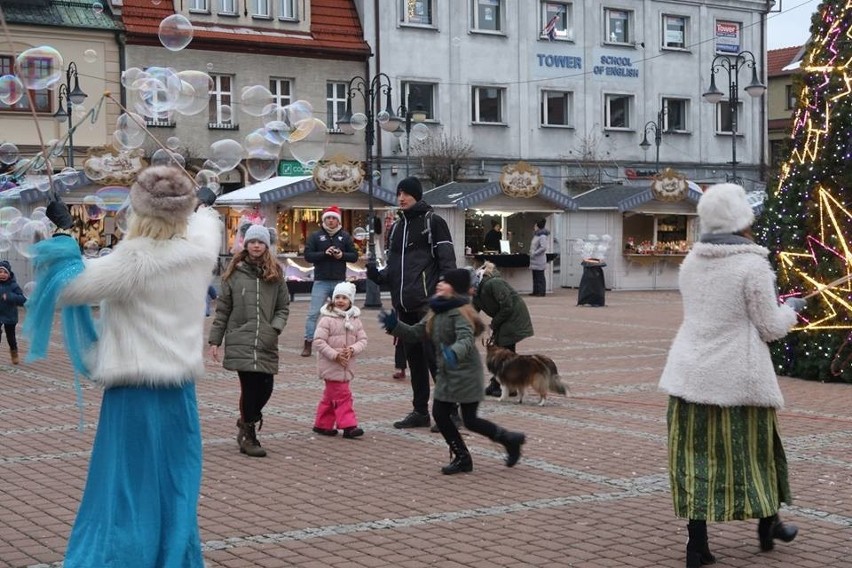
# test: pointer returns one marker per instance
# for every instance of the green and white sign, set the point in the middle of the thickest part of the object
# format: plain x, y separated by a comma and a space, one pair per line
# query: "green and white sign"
292, 168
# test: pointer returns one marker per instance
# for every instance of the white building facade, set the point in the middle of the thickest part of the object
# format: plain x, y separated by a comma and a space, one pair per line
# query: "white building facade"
576, 101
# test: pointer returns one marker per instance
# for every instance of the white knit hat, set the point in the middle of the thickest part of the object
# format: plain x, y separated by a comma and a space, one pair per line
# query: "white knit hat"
724, 208
257, 233
345, 289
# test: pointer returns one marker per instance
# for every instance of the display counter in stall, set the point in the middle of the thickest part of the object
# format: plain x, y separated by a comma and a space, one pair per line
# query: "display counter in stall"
517, 201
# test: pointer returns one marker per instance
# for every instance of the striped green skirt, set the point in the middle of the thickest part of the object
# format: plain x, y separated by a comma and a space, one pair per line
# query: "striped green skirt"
725, 464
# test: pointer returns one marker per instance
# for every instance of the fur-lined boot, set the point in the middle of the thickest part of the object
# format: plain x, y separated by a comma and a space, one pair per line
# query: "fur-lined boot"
247, 438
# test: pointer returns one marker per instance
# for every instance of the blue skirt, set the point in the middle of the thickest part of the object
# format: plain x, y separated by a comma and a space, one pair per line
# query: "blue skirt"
139, 507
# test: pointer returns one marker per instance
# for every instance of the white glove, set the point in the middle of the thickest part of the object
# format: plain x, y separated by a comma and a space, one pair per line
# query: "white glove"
797, 304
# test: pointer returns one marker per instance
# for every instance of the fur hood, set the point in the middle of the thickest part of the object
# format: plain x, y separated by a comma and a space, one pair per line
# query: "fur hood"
348, 315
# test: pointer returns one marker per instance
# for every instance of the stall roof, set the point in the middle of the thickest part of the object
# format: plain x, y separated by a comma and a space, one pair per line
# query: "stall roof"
251, 193
274, 195
466, 195
625, 197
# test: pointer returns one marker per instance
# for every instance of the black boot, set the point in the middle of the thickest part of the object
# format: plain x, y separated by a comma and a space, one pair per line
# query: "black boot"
512, 441
771, 528
461, 462
493, 388
697, 548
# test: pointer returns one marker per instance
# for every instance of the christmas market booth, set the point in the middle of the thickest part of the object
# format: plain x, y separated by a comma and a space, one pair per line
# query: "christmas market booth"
293, 207
516, 201
650, 227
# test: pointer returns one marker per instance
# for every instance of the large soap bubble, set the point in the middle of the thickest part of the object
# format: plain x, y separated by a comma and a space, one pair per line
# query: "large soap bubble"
420, 132
113, 196
175, 32
298, 111
129, 131
157, 92
167, 158
39, 67
308, 141
9, 153
11, 90
194, 94
224, 155
94, 207
129, 76
261, 165
31, 233
208, 179
255, 100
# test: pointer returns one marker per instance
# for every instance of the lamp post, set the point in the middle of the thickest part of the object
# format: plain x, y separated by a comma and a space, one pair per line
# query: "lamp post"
415, 115
370, 90
71, 97
733, 65
657, 127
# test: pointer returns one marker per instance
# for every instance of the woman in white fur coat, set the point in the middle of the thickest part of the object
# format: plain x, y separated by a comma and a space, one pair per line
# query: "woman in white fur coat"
139, 505
726, 460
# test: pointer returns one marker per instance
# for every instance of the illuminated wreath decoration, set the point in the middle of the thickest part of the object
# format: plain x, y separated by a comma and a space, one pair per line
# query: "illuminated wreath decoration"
669, 185
338, 175
521, 180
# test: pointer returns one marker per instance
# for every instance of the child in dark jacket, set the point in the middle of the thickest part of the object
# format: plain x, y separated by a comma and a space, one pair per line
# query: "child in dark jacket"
452, 325
11, 296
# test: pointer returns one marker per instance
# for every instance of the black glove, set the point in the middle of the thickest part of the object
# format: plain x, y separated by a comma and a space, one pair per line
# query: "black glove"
389, 320
59, 214
373, 272
205, 196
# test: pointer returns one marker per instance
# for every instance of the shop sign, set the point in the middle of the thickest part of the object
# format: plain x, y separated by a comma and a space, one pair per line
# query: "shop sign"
614, 65
338, 175
727, 37
669, 185
557, 61
105, 165
292, 168
521, 180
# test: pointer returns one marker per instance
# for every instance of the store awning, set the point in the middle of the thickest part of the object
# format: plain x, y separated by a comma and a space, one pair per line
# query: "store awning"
287, 191
251, 193
626, 197
467, 195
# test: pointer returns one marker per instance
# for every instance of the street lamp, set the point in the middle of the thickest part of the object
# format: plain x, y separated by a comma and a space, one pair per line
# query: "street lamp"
73, 97
733, 65
370, 91
657, 127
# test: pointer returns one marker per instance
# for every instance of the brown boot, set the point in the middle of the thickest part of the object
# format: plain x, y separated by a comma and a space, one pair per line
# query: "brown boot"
14, 353
250, 445
306, 350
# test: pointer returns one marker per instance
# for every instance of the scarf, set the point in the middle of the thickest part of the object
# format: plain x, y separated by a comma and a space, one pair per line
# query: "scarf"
725, 239
331, 232
440, 304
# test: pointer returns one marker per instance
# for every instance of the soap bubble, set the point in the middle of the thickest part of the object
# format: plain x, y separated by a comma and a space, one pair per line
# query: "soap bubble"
9, 214
210, 66
297, 111
194, 94
261, 165
359, 121
420, 132
208, 179
255, 99
122, 216
91, 249
94, 169
113, 196
225, 154
129, 130
39, 67
94, 207
9, 153
90, 56
175, 32
31, 233
308, 141
129, 76
225, 113
97, 8
29, 287
173, 143
11, 90
166, 158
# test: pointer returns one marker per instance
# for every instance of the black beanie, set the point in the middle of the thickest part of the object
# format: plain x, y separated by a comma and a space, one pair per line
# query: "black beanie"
411, 186
540, 223
459, 279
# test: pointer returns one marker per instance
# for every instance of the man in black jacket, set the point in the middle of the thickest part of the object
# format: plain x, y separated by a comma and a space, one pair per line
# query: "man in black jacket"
328, 249
420, 250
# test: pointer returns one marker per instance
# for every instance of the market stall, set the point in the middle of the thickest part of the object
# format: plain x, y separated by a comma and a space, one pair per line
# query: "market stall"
652, 226
517, 200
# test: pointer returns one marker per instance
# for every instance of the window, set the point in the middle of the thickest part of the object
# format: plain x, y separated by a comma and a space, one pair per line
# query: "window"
287, 10
41, 97
282, 96
617, 109
675, 112
619, 26
420, 97
559, 13
220, 109
790, 97
335, 103
417, 12
723, 116
260, 9
486, 15
674, 31
487, 105
555, 108
228, 7
198, 6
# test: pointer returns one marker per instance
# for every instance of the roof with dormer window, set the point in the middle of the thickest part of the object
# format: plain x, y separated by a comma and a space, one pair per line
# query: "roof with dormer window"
78, 15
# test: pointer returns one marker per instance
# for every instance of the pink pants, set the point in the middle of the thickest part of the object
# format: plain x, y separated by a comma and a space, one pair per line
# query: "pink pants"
336, 407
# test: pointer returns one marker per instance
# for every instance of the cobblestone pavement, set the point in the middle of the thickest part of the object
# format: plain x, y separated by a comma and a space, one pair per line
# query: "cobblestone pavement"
590, 491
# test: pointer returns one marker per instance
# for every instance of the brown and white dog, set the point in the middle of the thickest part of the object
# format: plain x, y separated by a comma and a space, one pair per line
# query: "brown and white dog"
517, 372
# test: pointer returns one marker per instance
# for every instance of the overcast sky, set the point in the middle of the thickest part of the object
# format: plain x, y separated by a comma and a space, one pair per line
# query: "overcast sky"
790, 27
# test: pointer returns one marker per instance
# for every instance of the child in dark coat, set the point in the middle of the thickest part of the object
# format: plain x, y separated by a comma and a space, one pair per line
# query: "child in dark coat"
452, 325
11, 296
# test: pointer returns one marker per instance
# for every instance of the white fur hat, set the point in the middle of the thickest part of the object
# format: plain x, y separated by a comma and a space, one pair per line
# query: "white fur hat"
345, 289
257, 233
724, 209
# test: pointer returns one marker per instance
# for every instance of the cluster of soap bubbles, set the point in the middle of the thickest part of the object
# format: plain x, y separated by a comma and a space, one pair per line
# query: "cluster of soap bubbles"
20, 233
594, 247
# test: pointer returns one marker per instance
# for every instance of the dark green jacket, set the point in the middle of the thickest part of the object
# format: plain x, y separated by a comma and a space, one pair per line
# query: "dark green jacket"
510, 318
464, 383
250, 313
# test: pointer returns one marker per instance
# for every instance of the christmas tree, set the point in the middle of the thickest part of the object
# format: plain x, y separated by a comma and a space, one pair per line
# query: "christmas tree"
807, 220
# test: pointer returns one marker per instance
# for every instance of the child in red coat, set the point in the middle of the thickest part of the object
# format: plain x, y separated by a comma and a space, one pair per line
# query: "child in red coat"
339, 337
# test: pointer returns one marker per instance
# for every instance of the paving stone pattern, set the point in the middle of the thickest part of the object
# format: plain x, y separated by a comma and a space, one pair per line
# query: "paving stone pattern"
590, 491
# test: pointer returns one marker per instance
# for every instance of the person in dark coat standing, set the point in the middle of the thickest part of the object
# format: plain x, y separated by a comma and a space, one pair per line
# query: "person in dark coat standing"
11, 297
493, 237
510, 317
452, 326
421, 249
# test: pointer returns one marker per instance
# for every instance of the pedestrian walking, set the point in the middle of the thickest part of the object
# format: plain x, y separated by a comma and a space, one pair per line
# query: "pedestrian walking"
338, 340
11, 298
146, 355
251, 312
726, 459
538, 258
421, 248
328, 249
510, 317
452, 326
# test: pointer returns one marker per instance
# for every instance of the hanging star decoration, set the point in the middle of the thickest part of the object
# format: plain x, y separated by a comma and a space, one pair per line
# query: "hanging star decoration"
834, 295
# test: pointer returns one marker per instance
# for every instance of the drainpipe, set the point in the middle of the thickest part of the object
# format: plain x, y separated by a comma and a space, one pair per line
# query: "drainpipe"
377, 31
765, 79
121, 40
